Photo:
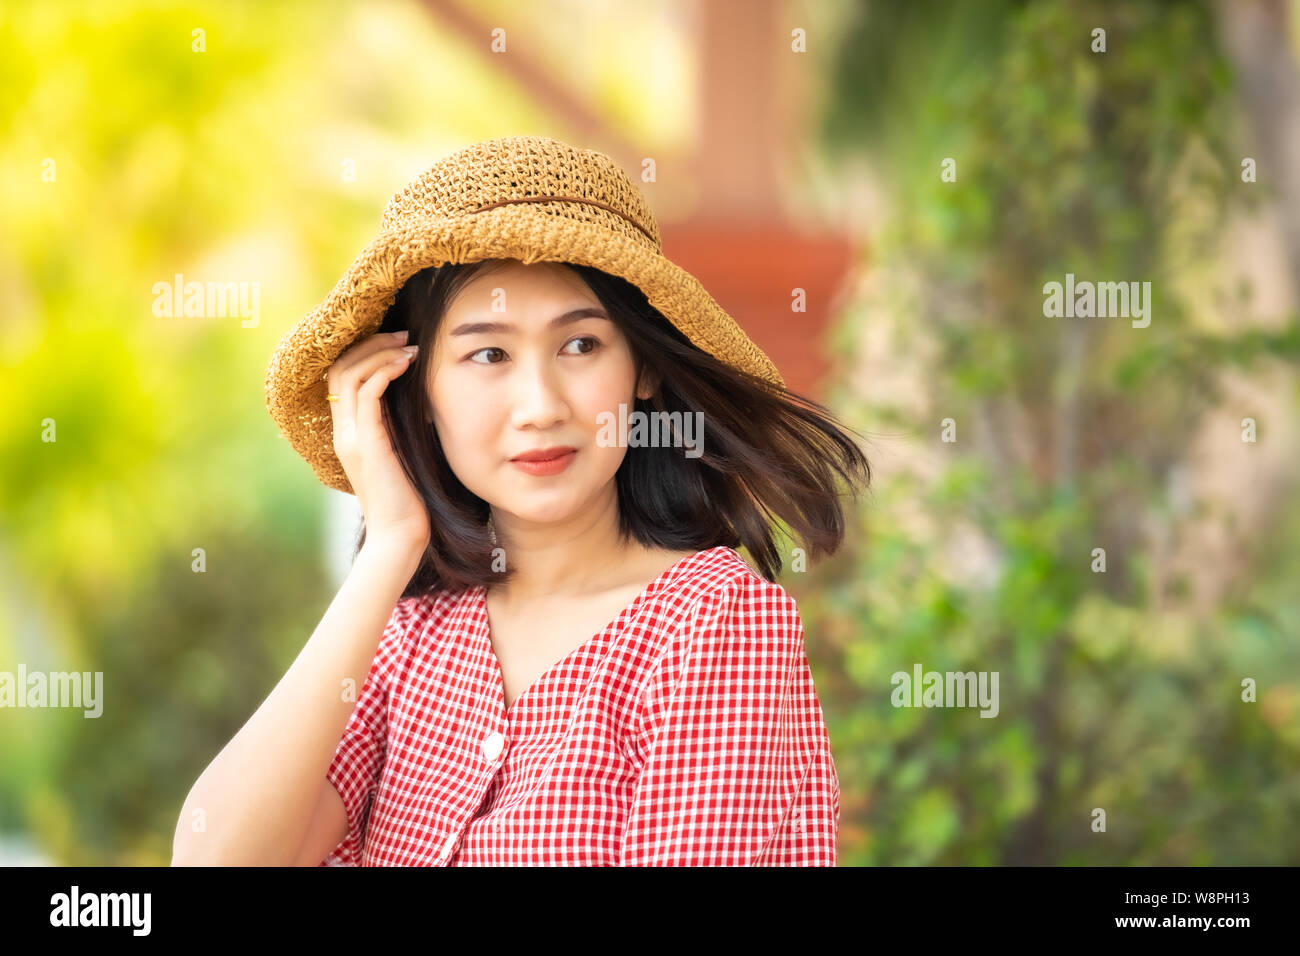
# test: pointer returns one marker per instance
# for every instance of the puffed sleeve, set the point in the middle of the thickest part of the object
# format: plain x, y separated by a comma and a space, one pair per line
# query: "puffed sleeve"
359, 757
736, 767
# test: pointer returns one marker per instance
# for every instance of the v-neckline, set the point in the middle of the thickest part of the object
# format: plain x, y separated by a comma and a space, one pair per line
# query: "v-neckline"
485, 631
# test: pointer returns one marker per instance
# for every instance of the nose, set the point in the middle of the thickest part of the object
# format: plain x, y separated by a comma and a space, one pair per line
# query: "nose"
536, 397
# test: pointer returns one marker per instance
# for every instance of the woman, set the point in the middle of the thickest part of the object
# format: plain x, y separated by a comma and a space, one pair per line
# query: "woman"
563, 659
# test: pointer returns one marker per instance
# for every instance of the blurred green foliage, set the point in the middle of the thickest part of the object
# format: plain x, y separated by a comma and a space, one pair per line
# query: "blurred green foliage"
1118, 690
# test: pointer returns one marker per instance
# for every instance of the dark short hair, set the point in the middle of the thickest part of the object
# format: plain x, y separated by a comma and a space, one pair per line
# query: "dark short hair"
772, 454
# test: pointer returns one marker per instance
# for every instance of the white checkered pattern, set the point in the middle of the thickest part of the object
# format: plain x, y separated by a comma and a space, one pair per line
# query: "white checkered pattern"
687, 732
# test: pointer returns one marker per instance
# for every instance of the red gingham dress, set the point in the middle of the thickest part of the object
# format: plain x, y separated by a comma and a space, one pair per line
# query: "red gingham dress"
686, 732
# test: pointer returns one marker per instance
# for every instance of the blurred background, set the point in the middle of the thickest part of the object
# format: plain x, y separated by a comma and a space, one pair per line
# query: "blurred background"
1103, 514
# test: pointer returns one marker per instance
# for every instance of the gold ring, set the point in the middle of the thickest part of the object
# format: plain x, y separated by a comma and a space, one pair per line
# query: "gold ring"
331, 398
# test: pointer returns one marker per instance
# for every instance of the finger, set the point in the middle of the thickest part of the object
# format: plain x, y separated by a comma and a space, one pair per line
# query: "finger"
361, 351
367, 396
355, 375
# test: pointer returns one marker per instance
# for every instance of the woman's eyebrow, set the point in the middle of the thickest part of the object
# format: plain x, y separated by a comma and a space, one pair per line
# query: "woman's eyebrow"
472, 328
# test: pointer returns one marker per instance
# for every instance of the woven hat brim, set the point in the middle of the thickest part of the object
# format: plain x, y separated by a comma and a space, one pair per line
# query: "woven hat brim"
355, 307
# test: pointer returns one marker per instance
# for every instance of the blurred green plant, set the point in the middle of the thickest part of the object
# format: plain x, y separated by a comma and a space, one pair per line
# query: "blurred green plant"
1118, 690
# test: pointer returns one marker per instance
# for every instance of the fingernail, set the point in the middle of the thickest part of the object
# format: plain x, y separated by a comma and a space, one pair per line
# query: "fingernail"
403, 335
411, 348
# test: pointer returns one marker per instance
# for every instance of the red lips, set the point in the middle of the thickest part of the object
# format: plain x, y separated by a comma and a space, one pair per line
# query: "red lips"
544, 454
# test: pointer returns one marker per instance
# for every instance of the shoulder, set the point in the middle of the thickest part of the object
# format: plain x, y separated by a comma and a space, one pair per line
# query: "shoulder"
416, 621
725, 592
722, 613
421, 611
737, 639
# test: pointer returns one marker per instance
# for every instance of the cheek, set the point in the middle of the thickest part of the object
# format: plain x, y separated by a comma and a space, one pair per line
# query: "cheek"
596, 400
603, 391
466, 422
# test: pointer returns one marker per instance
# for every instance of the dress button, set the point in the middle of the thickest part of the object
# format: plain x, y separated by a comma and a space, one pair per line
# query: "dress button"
493, 744
449, 847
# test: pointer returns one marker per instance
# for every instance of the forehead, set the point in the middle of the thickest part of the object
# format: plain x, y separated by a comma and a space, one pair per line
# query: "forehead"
537, 284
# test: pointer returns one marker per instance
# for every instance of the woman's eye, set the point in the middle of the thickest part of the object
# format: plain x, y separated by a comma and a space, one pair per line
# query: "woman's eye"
595, 343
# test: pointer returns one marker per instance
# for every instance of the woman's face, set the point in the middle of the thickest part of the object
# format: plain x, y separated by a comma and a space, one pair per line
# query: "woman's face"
526, 359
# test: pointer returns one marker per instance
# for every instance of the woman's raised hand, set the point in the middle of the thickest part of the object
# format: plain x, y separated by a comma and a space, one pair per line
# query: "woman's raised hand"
393, 510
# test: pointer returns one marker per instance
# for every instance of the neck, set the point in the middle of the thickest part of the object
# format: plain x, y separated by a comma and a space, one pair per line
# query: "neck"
580, 557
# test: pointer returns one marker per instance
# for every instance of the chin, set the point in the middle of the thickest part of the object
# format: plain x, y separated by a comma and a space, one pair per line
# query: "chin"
542, 512
528, 503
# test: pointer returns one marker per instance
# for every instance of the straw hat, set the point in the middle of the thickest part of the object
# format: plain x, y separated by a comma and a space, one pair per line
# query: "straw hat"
529, 198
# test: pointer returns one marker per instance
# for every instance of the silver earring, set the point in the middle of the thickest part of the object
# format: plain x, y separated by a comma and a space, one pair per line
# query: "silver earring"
492, 531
